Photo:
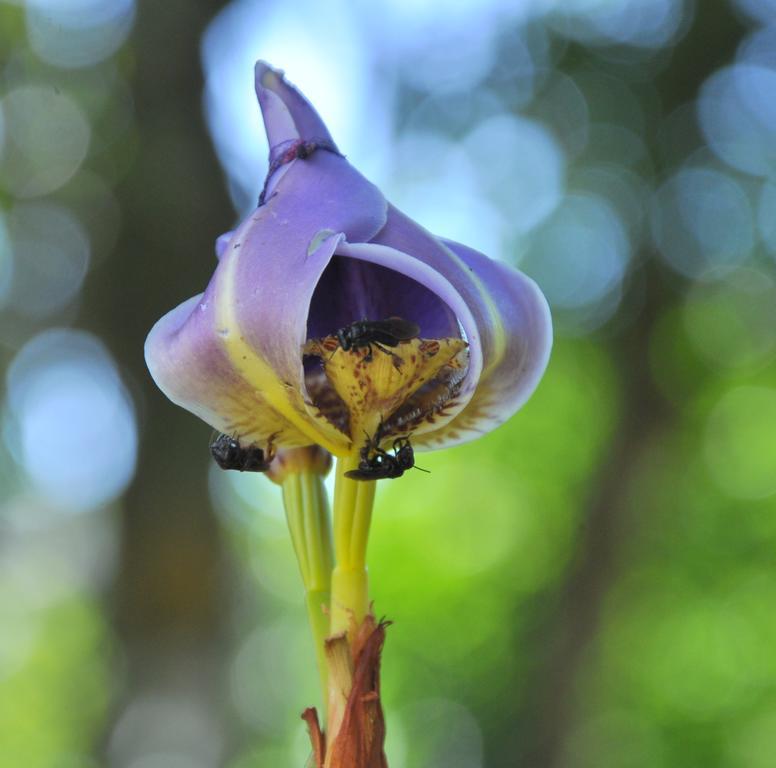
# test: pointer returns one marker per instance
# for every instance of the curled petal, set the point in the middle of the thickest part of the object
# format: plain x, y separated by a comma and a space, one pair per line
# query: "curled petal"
512, 318
510, 378
291, 124
189, 364
403, 233
260, 319
268, 274
353, 289
253, 316
288, 116
249, 327
438, 286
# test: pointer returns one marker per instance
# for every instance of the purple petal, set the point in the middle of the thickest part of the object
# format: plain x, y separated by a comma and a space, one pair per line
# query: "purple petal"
250, 326
276, 260
509, 378
511, 315
352, 289
200, 355
439, 289
289, 119
190, 366
288, 116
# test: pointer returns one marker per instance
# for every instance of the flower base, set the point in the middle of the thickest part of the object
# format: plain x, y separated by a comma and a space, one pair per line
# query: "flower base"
356, 732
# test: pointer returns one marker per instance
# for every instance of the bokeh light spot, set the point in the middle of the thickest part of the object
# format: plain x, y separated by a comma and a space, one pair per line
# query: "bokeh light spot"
766, 217
51, 256
442, 734
760, 10
702, 222
338, 85
760, 47
737, 111
75, 432
47, 137
738, 445
272, 671
467, 217
454, 59
639, 23
521, 164
78, 33
165, 729
699, 661
458, 542
580, 253
733, 322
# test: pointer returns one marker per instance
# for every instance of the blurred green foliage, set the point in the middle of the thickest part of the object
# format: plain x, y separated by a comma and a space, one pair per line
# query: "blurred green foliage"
56, 695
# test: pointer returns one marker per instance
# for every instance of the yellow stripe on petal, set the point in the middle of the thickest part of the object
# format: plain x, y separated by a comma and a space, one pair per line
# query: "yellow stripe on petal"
259, 374
247, 415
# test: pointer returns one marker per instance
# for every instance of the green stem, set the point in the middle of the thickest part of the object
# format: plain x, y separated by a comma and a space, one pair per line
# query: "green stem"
307, 513
353, 501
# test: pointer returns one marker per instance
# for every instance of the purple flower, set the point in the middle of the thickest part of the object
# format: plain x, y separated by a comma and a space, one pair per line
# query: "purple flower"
256, 355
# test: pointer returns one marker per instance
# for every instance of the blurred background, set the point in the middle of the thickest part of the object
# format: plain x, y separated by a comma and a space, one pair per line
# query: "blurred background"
594, 583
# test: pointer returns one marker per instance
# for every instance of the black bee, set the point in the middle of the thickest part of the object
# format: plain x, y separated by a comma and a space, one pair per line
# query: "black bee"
403, 454
378, 333
380, 464
229, 454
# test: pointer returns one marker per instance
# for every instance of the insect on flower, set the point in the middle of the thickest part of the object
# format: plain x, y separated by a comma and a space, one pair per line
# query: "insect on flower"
379, 333
461, 340
229, 454
380, 464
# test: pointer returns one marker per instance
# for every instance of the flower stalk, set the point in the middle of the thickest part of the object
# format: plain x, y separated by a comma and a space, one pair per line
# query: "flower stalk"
353, 502
348, 641
300, 473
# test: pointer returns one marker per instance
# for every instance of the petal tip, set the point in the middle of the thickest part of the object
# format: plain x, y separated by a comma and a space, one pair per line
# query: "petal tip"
266, 76
293, 117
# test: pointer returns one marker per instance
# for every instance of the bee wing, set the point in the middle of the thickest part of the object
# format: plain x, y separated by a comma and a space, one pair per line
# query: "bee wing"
363, 474
398, 327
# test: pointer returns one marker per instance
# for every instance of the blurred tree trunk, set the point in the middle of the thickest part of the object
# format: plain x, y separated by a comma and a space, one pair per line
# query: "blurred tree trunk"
170, 587
609, 521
